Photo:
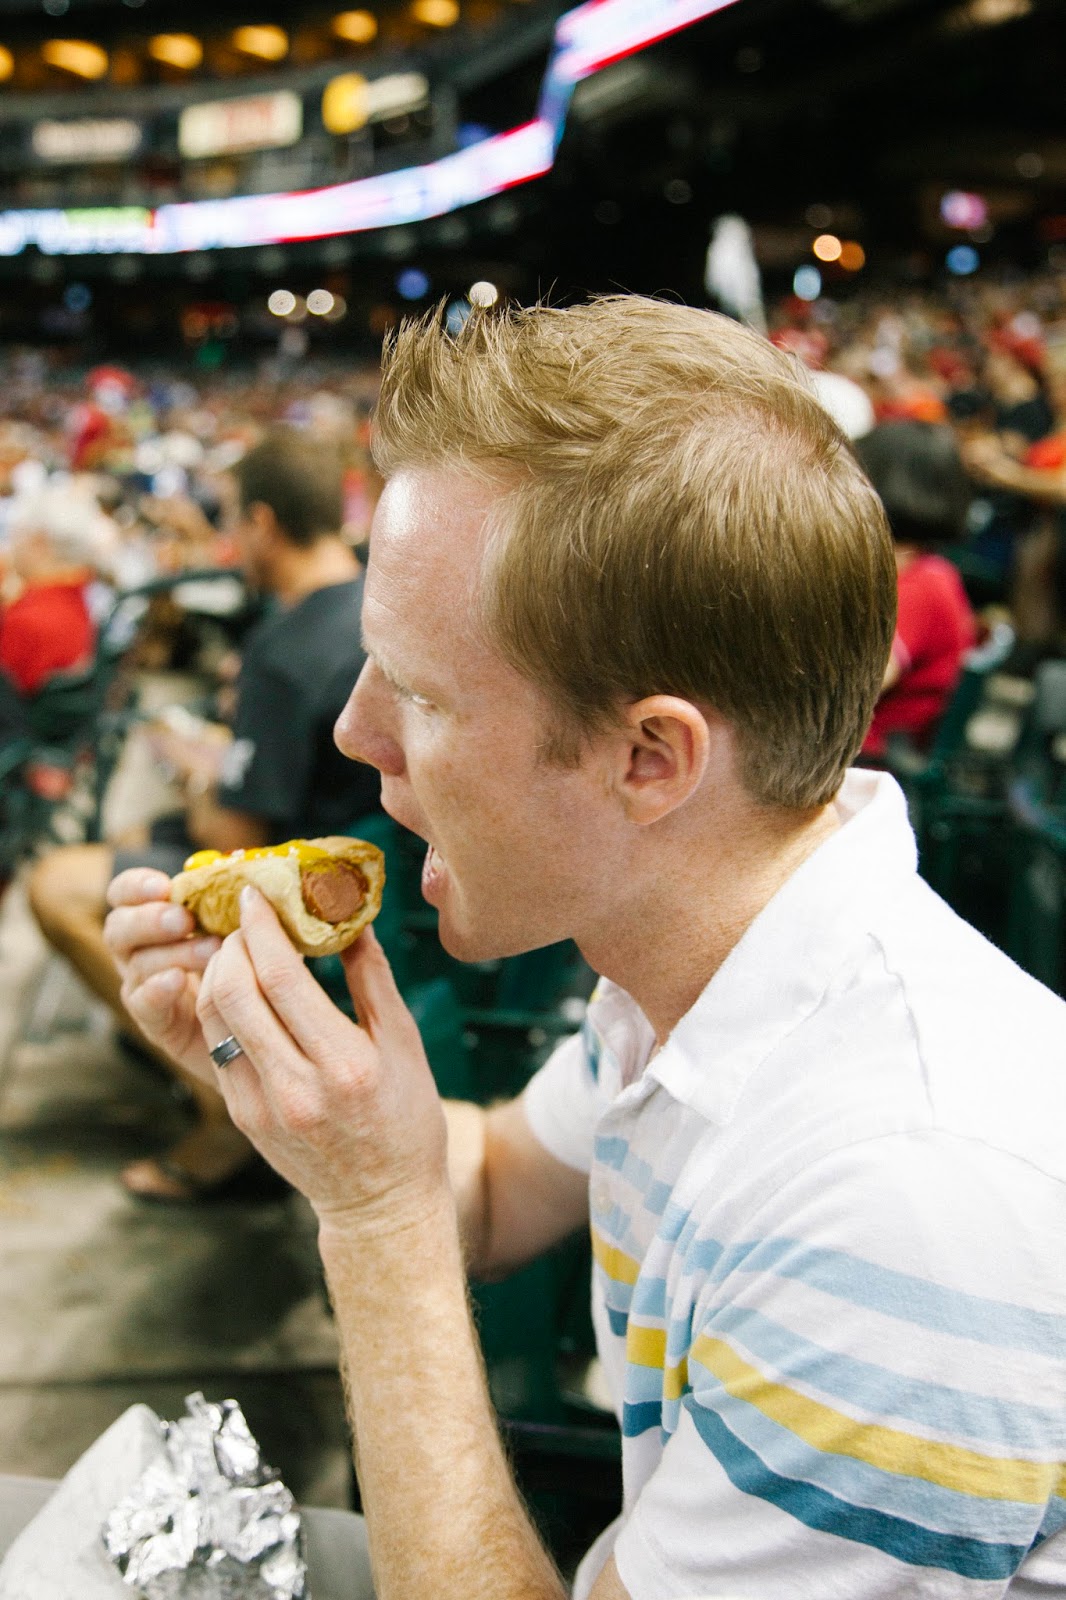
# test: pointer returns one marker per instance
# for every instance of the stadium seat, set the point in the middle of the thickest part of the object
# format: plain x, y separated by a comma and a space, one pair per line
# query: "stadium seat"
956, 796
1036, 935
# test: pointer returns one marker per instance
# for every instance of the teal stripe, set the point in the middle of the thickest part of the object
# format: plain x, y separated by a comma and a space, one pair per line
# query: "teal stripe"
639, 1418
1005, 1426
933, 1507
816, 1508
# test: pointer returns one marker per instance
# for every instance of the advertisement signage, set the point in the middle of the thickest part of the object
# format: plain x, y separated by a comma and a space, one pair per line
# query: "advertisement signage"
228, 127
87, 139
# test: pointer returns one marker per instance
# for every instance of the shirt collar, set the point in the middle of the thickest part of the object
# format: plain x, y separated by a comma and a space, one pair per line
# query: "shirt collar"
779, 970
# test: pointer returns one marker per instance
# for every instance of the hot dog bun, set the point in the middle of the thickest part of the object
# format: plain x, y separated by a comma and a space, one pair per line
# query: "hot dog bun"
337, 876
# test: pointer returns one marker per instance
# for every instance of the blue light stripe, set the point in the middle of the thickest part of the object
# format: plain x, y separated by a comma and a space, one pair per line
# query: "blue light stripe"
894, 1294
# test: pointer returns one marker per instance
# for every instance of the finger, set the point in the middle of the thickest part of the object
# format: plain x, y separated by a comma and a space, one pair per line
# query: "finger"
155, 1003
301, 1004
191, 955
379, 1005
238, 1081
230, 998
133, 927
138, 885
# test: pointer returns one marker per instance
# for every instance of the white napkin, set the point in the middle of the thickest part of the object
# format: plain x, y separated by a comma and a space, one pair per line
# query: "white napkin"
59, 1555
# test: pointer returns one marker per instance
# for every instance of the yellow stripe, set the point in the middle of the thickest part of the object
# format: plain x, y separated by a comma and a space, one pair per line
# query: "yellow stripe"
675, 1380
646, 1347
616, 1264
832, 1432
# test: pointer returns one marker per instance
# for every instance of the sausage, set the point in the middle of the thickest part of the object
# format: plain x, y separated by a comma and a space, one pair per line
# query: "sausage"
333, 891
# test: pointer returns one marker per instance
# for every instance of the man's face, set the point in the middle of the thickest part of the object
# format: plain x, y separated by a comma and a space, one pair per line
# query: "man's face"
517, 846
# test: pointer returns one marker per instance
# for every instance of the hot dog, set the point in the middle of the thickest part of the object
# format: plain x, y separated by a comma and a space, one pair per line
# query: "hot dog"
324, 891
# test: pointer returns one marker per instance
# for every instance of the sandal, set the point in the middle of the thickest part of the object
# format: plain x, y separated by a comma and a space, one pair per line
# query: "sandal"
165, 1181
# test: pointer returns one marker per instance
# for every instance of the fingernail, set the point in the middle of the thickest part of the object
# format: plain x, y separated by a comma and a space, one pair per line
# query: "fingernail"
248, 897
174, 920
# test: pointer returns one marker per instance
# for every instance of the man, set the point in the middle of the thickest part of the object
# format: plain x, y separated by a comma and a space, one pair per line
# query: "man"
280, 776
628, 608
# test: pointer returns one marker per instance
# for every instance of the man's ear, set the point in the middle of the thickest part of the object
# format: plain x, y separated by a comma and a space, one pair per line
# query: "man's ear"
664, 751
262, 518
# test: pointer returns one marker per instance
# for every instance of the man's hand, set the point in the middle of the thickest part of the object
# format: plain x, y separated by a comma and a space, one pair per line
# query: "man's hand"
349, 1114
160, 962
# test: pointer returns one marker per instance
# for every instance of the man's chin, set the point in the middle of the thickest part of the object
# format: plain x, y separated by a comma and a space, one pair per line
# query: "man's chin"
480, 944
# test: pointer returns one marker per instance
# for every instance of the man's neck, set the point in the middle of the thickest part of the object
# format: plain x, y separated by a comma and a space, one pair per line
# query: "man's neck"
299, 572
698, 912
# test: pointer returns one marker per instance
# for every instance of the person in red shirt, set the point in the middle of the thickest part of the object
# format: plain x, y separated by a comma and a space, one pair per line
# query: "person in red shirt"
916, 469
57, 544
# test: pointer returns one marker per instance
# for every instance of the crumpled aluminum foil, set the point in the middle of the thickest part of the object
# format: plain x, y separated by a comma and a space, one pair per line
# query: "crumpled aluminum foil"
209, 1520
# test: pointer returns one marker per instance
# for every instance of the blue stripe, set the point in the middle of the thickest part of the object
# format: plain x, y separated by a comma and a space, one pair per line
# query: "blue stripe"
673, 1222
1004, 1425
643, 1383
610, 1151
658, 1197
639, 1418
618, 1320
649, 1297
894, 1294
856, 1483
815, 1508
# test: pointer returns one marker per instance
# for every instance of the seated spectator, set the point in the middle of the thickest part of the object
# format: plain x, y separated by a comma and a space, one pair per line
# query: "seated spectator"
916, 469
58, 541
279, 776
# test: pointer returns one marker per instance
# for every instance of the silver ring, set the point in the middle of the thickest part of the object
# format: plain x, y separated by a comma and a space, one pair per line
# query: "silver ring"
225, 1052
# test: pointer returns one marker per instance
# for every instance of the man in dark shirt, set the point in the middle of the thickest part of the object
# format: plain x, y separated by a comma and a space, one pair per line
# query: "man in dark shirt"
279, 777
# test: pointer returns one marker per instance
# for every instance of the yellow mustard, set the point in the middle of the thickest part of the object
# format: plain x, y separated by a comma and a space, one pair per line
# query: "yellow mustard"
305, 854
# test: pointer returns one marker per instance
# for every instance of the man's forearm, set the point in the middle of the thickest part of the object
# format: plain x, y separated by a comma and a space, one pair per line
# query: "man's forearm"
444, 1518
466, 1171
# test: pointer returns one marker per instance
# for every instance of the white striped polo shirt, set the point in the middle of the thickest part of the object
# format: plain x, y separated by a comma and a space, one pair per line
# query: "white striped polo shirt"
829, 1231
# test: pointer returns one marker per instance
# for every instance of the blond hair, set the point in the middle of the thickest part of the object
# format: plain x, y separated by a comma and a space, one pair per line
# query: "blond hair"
679, 515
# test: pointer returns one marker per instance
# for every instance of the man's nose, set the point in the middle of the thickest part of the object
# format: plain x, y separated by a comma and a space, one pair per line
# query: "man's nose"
361, 733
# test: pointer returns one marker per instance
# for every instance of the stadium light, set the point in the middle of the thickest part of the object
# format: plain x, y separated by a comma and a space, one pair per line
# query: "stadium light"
77, 56
182, 50
827, 247
281, 303
356, 27
436, 13
320, 302
483, 294
345, 103
7, 63
263, 40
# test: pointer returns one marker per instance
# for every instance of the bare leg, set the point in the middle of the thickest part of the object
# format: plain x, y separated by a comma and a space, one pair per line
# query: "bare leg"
67, 891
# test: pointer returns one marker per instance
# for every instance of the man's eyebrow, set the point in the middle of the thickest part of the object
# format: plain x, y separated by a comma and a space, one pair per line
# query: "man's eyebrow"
387, 672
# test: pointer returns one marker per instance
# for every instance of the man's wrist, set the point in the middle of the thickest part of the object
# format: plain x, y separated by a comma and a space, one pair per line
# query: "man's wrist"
378, 1227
